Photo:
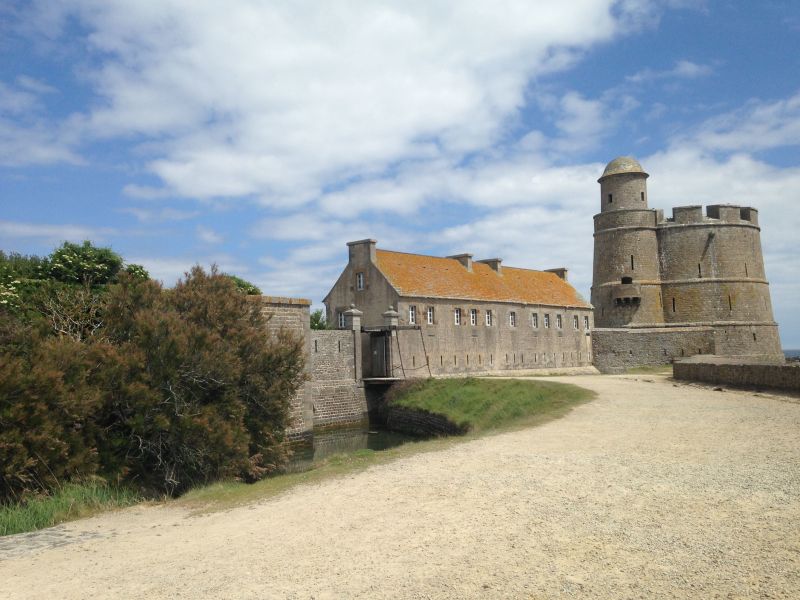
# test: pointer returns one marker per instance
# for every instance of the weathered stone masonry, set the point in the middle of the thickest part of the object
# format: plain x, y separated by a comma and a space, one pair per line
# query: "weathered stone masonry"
666, 288
333, 393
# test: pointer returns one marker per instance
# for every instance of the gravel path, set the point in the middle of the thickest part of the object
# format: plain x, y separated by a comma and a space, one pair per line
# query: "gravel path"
652, 490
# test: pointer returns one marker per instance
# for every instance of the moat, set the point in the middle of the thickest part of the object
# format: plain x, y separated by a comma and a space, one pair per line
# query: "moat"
343, 441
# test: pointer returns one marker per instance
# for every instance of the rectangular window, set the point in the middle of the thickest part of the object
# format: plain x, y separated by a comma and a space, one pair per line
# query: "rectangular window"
473, 316
340, 316
512, 319
546, 320
412, 315
575, 322
430, 315
488, 318
558, 321
457, 316
586, 322
359, 281
535, 320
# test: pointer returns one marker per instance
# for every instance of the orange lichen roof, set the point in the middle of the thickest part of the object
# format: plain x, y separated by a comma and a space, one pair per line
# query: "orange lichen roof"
435, 277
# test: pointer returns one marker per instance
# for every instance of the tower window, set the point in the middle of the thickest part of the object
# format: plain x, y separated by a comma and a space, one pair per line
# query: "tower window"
699, 270
642, 196
610, 198
632, 262
673, 305
745, 270
627, 280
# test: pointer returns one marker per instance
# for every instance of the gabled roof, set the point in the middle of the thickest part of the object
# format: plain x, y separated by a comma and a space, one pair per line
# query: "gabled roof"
435, 277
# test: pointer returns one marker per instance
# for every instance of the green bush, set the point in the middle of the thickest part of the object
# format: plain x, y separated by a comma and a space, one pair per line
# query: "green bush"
162, 389
83, 263
137, 271
244, 286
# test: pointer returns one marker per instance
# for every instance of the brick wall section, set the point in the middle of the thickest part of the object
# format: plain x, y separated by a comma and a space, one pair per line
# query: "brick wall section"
337, 396
292, 315
616, 350
740, 373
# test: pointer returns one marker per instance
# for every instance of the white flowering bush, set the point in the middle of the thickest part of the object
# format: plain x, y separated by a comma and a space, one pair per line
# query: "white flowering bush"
83, 263
9, 292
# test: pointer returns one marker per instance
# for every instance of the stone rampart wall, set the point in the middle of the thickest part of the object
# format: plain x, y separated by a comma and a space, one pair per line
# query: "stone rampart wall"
616, 350
291, 315
740, 373
337, 395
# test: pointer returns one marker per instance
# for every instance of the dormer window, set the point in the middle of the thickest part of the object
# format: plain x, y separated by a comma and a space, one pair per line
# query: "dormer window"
359, 281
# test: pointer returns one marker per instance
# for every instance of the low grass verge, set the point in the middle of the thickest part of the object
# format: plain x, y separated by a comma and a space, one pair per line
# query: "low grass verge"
71, 501
482, 405
487, 405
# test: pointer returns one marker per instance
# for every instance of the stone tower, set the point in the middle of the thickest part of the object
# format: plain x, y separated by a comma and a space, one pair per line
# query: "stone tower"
666, 288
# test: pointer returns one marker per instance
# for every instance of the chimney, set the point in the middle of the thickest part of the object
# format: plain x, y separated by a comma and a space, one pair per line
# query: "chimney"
464, 259
496, 264
362, 252
560, 271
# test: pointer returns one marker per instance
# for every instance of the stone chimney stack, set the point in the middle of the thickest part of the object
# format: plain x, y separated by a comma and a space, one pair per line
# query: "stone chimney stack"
496, 264
560, 271
464, 259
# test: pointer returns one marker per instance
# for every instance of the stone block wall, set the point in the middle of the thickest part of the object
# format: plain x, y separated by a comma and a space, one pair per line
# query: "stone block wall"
739, 372
616, 350
452, 349
291, 315
337, 394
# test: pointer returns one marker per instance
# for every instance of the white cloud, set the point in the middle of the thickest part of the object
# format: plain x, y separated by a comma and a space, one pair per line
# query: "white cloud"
160, 215
279, 100
759, 125
47, 233
208, 235
683, 69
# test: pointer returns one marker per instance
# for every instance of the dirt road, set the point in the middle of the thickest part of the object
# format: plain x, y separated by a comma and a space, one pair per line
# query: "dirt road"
651, 490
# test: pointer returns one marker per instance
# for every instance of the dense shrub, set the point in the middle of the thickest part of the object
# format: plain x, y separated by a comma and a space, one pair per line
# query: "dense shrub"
83, 263
244, 286
160, 388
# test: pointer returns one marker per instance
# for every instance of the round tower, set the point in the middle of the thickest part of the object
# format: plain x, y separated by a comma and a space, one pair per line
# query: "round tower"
626, 279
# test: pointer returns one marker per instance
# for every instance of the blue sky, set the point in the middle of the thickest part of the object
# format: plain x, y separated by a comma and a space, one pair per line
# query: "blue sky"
262, 136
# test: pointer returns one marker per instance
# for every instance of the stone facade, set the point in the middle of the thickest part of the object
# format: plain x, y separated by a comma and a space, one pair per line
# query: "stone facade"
665, 276
337, 390
333, 394
434, 335
729, 371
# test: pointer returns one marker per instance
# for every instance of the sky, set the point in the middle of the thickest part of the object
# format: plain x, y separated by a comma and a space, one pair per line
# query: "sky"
261, 136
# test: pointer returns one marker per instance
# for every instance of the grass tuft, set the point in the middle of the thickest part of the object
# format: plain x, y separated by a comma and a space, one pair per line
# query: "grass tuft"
71, 501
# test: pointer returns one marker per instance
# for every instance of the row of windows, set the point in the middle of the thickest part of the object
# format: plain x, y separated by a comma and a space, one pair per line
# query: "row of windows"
489, 318
510, 358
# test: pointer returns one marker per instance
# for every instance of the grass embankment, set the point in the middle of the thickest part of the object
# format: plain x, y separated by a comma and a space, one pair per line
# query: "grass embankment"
71, 501
481, 405
484, 405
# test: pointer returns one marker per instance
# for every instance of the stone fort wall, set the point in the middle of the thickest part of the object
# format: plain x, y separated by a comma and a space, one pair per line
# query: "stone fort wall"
724, 370
472, 349
337, 392
333, 393
616, 350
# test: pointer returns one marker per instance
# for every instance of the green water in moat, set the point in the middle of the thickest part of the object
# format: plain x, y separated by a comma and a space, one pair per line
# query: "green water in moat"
343, 441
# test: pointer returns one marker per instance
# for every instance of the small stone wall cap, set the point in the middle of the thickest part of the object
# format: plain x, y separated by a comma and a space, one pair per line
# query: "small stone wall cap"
622, 164
353, 311
391, 312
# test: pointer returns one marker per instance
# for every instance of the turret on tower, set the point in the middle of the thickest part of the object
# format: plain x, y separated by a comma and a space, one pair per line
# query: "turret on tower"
623, 185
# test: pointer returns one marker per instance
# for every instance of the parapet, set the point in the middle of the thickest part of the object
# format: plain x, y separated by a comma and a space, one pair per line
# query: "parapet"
723, 213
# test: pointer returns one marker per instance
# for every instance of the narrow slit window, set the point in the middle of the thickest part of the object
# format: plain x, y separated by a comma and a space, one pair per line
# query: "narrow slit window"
642, 196
730, 303
632, 262
699, 270
745, 270
610, 198
673, 305
340, 345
